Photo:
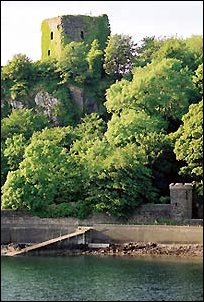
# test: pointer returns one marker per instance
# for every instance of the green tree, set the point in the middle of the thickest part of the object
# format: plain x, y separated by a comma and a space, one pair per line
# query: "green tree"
73, 65
162, 89
198, 79
175, 48
119, 55
47, 176
161, 160
14, 150
146, 50
17, 76
95, 60
145, 109
113, 177
195, 46
189, 51
46, 75
18, 68
16, 130
5, 108
189, 144
124, 128
89, 131
4, 166
91, 126
22, 121
147, 135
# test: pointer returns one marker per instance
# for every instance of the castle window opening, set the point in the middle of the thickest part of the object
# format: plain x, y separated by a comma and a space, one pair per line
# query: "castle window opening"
82, 35
48, 52
51, 35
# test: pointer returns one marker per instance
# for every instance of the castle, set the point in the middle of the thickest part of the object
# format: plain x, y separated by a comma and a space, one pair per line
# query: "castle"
59, 31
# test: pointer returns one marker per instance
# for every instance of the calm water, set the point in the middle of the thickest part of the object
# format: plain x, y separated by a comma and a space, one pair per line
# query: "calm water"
92, 278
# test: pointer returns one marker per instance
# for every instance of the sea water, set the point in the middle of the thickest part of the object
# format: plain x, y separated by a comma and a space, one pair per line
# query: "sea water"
100, 278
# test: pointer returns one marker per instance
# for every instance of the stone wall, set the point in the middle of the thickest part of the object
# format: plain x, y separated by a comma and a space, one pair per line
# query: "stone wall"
148, 213
151, 213
85, 28
166, 234
21, 227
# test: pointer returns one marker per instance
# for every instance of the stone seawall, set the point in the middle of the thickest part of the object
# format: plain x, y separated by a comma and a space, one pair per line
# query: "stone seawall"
147, 233
20, 227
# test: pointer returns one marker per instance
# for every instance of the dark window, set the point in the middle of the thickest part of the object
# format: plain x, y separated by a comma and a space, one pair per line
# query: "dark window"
82, 35
48, 52
51, 35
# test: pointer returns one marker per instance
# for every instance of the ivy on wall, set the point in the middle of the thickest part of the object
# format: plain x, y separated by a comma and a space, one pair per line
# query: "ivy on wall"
91, 28
54, 45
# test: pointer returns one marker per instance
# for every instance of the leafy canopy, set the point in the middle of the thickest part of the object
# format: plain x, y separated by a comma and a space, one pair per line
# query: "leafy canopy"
189, 142
73, 65
119, 55
161, 89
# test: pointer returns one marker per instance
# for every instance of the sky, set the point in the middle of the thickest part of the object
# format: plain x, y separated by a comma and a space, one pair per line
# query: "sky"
21, 20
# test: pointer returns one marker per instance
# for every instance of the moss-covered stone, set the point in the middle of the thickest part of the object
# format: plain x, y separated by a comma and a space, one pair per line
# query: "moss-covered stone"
51, 47
58, 31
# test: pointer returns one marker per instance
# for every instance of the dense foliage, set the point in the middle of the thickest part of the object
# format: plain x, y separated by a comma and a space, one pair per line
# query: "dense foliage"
189, 144
119, 55
140, 127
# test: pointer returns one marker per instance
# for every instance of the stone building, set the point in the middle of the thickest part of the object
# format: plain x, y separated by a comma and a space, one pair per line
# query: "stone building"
181, 201
58, 31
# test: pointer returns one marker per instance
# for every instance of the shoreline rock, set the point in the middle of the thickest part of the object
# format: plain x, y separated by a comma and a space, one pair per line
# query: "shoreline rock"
152, 248
126, 249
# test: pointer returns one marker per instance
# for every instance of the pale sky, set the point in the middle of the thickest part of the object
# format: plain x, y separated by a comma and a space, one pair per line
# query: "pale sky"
21, 20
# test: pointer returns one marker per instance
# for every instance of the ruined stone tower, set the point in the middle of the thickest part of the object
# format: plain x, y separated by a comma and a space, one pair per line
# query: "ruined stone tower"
58, 31
181, 201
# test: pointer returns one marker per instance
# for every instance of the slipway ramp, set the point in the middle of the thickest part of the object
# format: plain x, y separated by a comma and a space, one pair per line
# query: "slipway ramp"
79, 231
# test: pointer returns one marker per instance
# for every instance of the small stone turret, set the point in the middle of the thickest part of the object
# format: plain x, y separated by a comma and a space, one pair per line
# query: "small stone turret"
181, 201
